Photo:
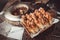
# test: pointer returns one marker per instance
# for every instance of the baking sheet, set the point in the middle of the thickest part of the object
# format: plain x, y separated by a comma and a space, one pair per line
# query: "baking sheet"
42, 30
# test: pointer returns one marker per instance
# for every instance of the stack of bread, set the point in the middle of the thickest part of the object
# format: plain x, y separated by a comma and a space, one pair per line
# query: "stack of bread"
36, 21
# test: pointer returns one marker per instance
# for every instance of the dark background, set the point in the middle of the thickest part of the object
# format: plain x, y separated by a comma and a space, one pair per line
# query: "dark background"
55, 2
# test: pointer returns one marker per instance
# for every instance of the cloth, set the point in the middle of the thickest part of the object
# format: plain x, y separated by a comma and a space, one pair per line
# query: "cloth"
11, 31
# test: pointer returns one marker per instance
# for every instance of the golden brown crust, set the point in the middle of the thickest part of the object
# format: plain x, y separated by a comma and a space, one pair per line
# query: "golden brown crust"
36, 20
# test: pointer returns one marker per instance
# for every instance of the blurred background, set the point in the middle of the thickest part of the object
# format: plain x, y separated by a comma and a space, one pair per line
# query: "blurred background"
47, 35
